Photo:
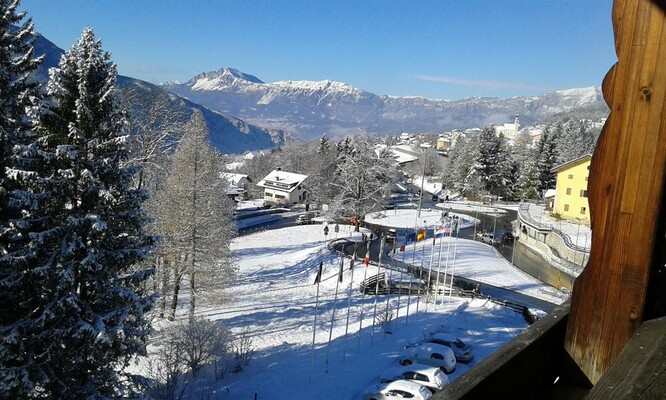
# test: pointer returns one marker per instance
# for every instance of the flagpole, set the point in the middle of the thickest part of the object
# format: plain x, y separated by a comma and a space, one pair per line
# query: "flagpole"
409, 292
439, 261
365, 275
389, 283
448, 253
453, 267
432, 253
401, 283
425, 238
379, 268
314, 327
335, 300
351, 285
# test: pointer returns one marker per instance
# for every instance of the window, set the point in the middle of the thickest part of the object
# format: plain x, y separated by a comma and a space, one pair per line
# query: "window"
582, 210
566, 207
586, 179
420, 377
279, 196
570, 176
583, 193
268, 194
568, 191
437, 356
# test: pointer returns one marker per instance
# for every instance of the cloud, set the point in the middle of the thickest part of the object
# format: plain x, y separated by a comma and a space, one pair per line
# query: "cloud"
487, 84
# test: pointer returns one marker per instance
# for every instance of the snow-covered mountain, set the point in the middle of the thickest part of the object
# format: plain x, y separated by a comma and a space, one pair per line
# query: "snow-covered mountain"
311, 108
228, 134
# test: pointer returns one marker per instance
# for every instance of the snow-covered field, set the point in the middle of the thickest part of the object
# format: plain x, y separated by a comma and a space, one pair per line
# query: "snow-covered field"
276, 299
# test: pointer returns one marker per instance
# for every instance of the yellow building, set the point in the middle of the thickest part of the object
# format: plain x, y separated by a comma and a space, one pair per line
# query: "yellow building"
571, 190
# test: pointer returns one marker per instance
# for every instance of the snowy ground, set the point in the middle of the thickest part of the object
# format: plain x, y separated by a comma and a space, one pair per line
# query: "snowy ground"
276, 299
400, 218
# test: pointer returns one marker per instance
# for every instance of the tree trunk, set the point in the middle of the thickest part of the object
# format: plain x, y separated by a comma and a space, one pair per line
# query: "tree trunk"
176, 289
192, 295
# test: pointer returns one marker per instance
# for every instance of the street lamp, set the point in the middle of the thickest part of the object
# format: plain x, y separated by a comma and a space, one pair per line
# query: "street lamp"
476, 222
422, 179
574, 263
495, 225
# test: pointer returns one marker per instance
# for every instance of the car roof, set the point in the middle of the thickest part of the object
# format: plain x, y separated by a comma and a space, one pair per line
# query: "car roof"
434, 347
421, 368
402, 384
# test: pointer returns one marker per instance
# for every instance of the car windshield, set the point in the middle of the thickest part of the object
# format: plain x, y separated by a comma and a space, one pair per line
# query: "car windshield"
459, 343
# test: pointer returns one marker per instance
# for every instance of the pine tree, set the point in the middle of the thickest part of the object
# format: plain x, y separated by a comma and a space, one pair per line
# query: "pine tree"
547, 159
17, 92
79, 310
196, 216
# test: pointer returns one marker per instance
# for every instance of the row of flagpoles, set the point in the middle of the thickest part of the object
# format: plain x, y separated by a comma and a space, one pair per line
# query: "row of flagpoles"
445, 228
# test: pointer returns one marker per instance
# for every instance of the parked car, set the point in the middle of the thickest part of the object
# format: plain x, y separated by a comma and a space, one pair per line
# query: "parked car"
431, 377
397, 390
507, 237
390, 235
430, 354
304, 219
462, 351
489, 238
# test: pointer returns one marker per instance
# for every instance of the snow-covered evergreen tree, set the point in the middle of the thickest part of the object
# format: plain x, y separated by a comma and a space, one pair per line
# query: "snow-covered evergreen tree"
547, 158
506, 171
17, 93
528, 182
196, 216
575, 141
79, 303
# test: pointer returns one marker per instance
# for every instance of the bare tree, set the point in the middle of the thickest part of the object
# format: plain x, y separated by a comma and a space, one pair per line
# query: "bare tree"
195, 216
364, 177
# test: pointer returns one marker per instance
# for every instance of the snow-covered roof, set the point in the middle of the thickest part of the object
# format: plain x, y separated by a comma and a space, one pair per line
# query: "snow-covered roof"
282, 180
234, 190
549, 193
234, 178
404, 153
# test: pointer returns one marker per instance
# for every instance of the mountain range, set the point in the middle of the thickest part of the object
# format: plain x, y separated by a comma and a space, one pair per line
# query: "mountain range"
310, 108
244, 113
227, 133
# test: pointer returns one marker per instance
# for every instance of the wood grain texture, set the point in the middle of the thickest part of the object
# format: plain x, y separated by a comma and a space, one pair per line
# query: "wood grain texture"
625, 188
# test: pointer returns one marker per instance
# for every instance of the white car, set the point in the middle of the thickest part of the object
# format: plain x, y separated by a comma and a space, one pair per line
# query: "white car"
304, 219
462, 350
431, 377
397, 390
430, 354
489, 238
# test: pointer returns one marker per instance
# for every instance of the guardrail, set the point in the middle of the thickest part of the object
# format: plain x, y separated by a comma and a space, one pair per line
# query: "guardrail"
569, 243
524, 215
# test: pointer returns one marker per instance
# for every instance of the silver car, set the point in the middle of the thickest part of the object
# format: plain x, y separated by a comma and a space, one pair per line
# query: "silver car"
431, 377
432, 354
397, 390
462, 351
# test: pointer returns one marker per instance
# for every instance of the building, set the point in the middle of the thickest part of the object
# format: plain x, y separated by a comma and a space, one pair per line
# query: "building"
443, 143
238, 185
571, 188
510, 131
283, 187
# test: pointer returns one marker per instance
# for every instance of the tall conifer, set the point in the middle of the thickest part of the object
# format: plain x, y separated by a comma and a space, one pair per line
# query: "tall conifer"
79, 300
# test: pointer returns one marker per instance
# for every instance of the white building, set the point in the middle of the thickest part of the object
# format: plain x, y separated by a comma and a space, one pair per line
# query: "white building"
283, 187
238, 185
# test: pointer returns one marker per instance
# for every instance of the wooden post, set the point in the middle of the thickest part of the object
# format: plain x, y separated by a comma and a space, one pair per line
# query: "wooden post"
625, 188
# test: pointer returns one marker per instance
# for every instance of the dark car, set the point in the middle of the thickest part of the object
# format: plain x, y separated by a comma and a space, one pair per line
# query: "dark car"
507, 238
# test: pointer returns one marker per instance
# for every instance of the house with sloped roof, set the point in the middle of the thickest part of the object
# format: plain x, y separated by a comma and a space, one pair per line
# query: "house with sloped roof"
284, 187
571, 188
238, 185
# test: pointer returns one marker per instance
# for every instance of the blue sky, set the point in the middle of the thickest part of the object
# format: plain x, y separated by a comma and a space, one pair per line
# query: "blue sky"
445, 49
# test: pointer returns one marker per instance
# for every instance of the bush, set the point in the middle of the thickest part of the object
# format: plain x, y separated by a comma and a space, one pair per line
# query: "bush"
187, 347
